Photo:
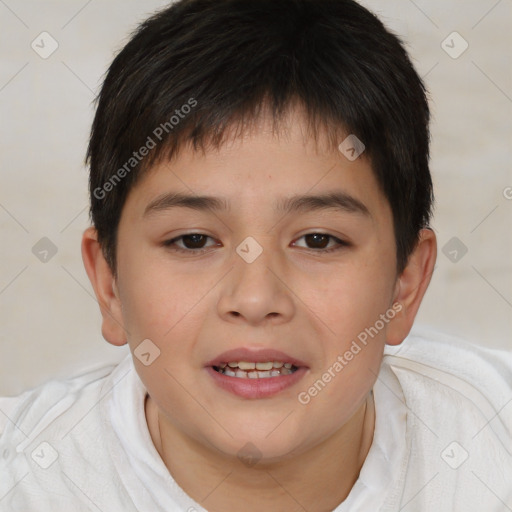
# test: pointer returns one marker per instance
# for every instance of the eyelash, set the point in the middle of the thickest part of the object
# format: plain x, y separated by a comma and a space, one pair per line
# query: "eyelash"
171, 244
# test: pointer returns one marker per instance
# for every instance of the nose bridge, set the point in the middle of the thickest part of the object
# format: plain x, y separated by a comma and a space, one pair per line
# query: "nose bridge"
252, 292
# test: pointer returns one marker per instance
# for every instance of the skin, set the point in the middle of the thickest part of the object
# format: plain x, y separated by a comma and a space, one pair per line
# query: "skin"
293, 297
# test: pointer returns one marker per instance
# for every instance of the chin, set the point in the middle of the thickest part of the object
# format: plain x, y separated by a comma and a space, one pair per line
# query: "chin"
252, 447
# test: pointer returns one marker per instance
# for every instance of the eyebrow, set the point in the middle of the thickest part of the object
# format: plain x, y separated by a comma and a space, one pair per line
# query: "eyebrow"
337, 200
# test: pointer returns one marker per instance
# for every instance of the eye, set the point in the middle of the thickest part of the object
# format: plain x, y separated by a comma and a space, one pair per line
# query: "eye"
195, 243
319, 242
192, 243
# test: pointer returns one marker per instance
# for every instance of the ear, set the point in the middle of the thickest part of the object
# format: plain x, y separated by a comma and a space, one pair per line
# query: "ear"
412, 285
105, 288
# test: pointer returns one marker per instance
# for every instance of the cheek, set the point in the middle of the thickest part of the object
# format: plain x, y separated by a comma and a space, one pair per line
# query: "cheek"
350, 300
154, 297
351, 306
353, 354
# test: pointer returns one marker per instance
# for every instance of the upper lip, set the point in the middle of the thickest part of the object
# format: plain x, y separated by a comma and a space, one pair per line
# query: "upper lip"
255, 356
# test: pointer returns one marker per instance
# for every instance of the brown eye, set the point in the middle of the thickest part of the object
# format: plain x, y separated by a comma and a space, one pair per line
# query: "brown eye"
321, 242
194, 241
191, 243
317, 240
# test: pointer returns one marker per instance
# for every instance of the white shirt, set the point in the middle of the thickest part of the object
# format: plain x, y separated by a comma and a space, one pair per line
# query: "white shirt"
442, 440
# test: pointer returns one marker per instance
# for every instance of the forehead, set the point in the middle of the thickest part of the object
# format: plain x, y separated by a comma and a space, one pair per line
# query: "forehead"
262, 167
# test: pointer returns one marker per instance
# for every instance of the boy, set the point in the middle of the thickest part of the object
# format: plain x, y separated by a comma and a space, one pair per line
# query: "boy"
260, 197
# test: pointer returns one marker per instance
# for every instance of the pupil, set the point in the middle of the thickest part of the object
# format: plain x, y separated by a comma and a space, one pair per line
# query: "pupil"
317, 237
196, 241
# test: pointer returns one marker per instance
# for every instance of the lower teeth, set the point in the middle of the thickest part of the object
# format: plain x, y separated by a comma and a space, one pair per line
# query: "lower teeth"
255, 374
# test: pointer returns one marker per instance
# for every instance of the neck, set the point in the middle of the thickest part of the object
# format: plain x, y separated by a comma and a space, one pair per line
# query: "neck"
222, 483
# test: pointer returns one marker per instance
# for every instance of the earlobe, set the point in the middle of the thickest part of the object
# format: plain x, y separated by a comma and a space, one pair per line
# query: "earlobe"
412, 285
105, 288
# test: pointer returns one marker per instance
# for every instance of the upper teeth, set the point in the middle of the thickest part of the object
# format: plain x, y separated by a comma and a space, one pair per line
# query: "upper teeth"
245, 365
251, 370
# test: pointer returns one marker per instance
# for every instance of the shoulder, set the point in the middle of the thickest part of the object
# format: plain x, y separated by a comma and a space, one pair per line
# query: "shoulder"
53, 436
451, 372
46, 402
439, 353
458, 407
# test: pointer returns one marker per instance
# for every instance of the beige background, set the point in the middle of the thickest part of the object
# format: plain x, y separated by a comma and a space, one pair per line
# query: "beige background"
50, 322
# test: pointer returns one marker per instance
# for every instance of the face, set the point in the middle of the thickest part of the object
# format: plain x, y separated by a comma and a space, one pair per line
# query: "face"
252, 275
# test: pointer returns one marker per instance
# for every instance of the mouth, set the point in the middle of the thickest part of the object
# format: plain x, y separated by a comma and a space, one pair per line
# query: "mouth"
252, 370
255, 373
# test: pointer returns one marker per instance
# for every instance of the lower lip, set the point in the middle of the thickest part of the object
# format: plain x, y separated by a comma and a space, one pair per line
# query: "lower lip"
256, 388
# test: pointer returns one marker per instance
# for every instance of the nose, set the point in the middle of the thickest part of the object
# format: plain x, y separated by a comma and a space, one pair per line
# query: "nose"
257, 293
